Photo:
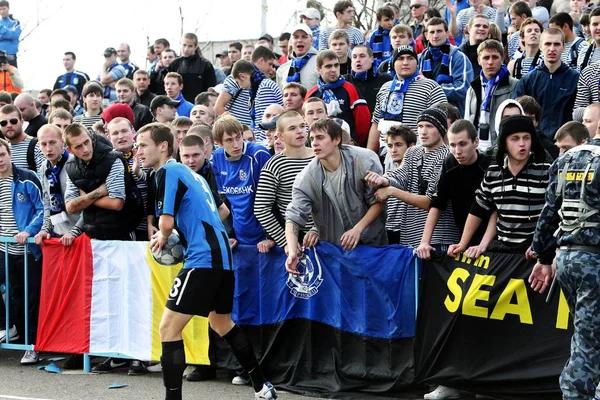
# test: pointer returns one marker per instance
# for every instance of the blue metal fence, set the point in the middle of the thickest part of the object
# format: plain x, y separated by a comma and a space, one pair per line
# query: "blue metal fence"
6, 344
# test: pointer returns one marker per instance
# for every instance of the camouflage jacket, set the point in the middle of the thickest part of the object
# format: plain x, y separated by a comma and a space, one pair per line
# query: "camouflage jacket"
548, 236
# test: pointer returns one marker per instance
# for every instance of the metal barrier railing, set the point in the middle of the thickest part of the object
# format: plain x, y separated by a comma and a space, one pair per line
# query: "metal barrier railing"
6, 344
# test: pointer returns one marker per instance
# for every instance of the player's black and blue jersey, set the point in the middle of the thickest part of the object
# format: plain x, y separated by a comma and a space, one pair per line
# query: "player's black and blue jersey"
238, 181
187, 197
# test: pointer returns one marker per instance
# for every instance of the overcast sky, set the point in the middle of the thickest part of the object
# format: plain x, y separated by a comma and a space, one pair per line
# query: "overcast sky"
88, 27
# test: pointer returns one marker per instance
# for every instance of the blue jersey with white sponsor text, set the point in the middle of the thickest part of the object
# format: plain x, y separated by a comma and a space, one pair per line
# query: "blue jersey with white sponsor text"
187, 197
238, 181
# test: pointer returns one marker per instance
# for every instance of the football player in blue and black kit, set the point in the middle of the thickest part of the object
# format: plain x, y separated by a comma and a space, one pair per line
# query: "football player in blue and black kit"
205, 284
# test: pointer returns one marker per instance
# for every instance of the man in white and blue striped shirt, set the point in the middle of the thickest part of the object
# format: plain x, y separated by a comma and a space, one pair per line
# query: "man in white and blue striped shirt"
344, 13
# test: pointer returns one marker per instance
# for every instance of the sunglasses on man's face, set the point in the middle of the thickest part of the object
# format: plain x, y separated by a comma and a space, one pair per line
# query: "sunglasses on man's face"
416, 6
13, 121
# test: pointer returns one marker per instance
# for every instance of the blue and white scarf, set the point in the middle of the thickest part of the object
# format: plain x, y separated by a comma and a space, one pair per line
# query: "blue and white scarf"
326, 91
490, 87
395, 101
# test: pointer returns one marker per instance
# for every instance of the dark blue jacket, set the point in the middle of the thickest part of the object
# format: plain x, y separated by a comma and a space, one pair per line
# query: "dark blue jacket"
555, 92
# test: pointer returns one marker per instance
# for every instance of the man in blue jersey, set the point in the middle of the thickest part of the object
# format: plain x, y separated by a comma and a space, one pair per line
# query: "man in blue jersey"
71, 75
237, 165
184, 201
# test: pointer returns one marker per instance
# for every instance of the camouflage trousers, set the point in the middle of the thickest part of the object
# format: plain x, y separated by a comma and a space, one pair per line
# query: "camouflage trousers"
578, 273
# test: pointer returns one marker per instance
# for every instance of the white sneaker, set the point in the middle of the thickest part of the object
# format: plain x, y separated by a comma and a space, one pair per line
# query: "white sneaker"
12, 334
240, 380
267, 392
30, 357
442, 392
155, 368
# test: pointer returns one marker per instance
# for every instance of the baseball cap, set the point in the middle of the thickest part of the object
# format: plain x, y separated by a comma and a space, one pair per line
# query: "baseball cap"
303, 28
109, 51
71, 89
224, 53
162, 100
117, 110
311, 13
266, 36
271, 124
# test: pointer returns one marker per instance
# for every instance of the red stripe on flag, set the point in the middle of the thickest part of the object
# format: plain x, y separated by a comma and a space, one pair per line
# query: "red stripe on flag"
66, 297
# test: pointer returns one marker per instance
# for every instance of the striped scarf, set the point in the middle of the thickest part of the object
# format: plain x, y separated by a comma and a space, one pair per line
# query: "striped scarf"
296, 67
57, 202
438, 54
381, 44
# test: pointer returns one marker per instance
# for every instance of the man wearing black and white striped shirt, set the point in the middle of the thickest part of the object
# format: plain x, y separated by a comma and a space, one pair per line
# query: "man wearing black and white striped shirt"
274, 191
25, 153
514, 187
99, 172
402, 100
411, 187
592, 54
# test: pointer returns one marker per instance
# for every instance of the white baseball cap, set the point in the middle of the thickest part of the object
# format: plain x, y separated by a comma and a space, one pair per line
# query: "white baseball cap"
303, 28
311, 13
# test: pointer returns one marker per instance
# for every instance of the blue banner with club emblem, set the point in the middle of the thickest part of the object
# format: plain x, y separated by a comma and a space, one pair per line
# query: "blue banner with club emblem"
369, 291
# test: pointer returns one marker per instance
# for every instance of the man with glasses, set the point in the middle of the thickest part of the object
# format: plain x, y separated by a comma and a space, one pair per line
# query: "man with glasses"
417, 11
25, 153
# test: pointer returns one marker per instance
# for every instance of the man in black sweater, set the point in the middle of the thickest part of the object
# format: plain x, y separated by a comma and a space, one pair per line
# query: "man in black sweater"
479, 30
364, 75
197, 72
460, 177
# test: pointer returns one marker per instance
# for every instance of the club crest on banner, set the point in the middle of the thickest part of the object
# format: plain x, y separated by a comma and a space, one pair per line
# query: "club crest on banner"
306, 285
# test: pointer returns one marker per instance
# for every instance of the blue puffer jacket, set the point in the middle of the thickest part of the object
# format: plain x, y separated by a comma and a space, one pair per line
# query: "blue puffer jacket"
27, 204
10, 30
555, 92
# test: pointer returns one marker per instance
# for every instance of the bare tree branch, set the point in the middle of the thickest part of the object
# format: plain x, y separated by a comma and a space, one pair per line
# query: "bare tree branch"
38, 22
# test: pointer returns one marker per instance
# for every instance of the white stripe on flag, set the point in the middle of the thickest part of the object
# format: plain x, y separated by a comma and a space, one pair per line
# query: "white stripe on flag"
121, 276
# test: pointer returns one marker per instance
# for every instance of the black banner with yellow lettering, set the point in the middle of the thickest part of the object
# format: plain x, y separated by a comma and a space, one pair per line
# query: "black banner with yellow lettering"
481, 328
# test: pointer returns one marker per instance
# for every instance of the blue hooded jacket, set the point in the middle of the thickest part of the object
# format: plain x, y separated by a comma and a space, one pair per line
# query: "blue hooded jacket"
27, 204
461, 71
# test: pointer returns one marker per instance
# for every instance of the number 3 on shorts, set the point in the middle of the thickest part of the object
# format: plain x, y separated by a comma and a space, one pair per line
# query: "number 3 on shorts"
175, 289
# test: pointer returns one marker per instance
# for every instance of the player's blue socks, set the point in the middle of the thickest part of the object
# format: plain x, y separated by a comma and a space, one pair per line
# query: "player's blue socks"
242, 350
173, 365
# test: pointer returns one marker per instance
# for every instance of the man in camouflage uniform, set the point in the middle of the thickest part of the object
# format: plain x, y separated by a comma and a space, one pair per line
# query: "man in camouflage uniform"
570, 221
